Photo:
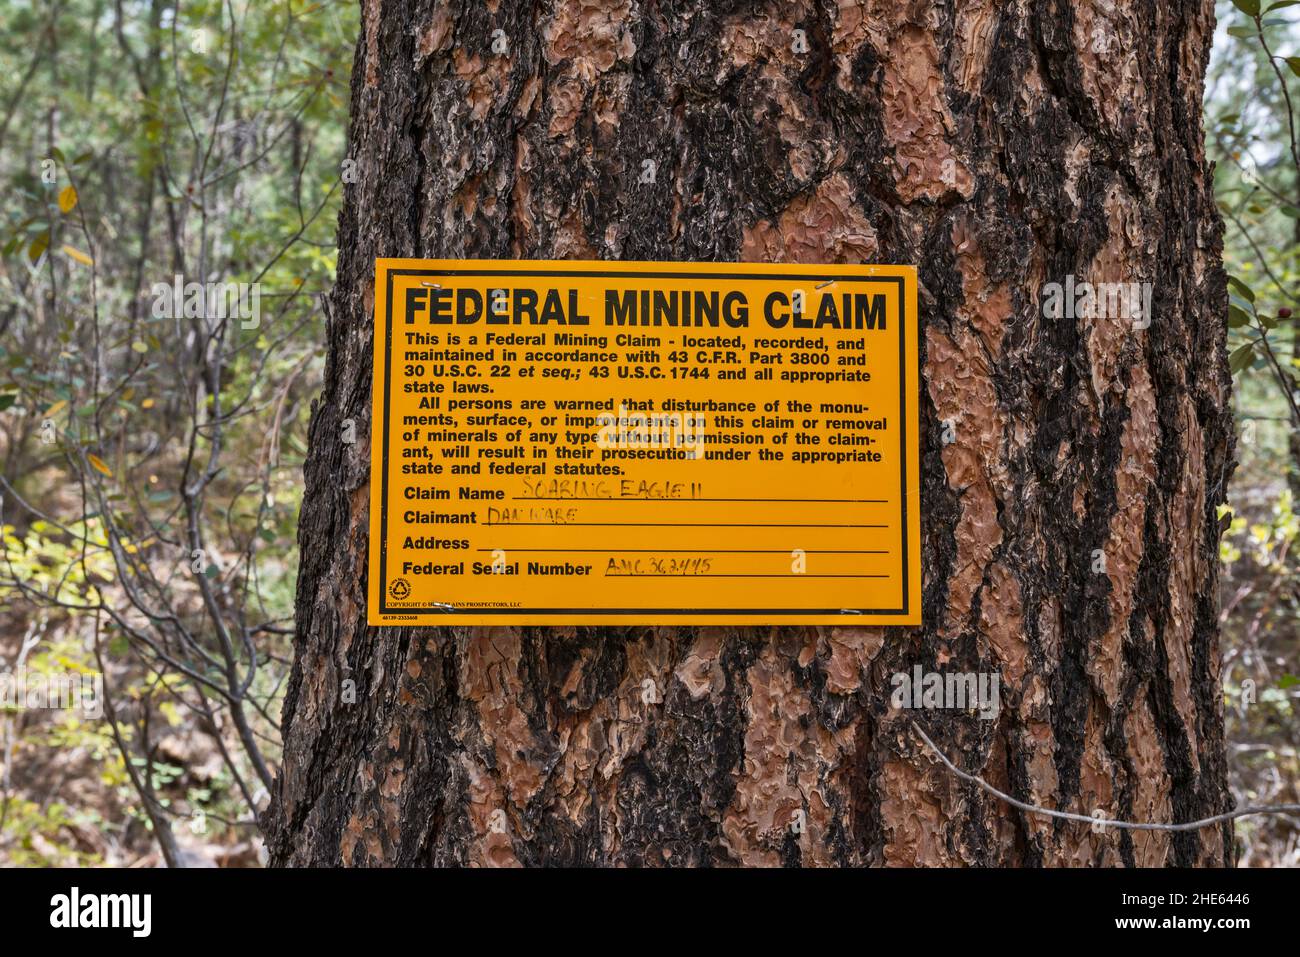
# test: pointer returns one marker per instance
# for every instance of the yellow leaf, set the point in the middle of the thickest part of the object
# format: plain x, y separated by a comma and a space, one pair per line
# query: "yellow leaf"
98, 464
78, 255
56, 408
147, 404
68, 199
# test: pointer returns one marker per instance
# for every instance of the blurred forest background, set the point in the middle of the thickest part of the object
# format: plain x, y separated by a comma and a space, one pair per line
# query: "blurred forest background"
151, 454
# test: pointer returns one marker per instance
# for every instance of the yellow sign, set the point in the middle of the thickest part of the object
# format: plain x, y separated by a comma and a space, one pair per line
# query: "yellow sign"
658, 443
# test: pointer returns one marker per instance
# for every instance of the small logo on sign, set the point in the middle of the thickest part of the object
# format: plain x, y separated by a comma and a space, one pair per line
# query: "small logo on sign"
400, 589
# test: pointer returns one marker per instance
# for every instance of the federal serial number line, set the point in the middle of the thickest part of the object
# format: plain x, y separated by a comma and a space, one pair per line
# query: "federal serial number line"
689, 575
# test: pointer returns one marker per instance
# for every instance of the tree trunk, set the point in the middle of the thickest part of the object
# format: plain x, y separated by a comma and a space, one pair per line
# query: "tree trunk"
1071, 467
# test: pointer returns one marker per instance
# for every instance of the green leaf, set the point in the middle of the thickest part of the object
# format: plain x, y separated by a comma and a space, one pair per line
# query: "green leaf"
1237, 317
1294, 63
1280, 4
1288, 681
7, 399
1249, 7
1241, 357
1238, 284
1244, 33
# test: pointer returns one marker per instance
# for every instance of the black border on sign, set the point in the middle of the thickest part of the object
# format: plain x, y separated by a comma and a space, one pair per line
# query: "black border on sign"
848, 614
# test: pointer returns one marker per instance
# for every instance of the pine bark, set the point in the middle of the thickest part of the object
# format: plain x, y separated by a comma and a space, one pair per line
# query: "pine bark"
999, 147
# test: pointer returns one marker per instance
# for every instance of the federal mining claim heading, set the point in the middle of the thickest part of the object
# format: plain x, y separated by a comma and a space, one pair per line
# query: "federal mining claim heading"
645, 307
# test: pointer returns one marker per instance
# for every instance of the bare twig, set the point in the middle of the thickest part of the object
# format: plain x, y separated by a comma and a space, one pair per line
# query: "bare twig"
1099, 821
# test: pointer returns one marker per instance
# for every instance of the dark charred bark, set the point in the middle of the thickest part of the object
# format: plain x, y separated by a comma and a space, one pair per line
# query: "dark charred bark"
999, 147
